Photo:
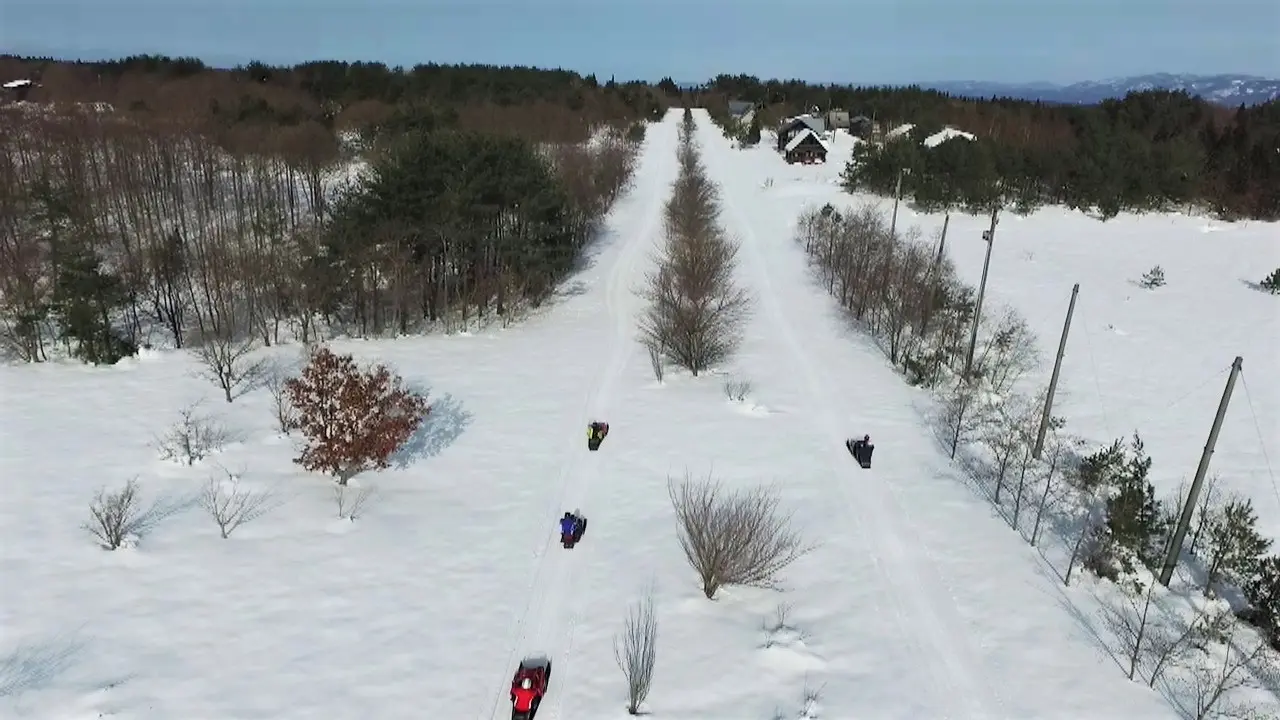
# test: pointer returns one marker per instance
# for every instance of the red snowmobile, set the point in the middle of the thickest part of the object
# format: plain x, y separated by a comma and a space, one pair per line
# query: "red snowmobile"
527, 688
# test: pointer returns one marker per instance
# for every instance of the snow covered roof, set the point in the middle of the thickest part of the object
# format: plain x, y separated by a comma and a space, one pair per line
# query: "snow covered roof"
900, 131
800, 136
946, 134
815, 124
15, 84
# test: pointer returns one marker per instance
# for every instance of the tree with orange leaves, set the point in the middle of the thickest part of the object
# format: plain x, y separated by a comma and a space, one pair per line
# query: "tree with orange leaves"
353, 420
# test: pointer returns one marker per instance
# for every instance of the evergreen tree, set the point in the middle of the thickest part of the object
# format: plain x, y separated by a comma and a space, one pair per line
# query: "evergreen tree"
1134, 517
84, 298
1235, 547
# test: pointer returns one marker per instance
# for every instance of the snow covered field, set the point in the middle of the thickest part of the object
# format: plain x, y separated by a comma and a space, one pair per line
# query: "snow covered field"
917, 603
1156, 360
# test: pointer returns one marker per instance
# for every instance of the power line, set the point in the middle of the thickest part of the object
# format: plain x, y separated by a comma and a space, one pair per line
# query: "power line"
1262, 443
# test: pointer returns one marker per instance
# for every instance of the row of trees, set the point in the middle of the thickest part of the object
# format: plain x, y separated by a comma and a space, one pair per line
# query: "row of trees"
696, 309
1148, 151
906, 295
115, 233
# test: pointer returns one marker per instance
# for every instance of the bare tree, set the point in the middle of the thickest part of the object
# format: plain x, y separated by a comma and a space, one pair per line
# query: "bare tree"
656, 360
964, 414
1056, 450
1204, 512
635, 651
737, 390
1171, 638
1007, 354
739, 537
275, 379
1129, 621
228, 363
696, 309
119, 517
231, 504
1245, 656
193, 438
350, 501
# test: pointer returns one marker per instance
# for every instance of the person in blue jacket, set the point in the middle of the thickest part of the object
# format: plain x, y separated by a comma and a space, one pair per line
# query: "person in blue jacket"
568, 524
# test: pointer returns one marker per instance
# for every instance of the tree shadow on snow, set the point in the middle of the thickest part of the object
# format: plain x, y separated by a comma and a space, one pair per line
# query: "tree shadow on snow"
444, 424
34, 667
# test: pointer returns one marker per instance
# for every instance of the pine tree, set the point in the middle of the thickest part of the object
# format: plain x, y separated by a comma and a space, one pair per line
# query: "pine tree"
1235, 547
753, 131
84, 297
1134, 517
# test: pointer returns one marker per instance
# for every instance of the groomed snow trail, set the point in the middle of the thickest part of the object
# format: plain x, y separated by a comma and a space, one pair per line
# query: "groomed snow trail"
607, 310
928, 627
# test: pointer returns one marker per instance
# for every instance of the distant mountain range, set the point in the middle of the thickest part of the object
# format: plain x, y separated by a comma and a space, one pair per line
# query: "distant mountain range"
1231, 90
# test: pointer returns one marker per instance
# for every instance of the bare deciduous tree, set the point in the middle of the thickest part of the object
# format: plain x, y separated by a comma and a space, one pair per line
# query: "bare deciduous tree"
656, 360
286, 415
193, 438
350, 501
635, 651
737, 390
738, 537
963, 415
1007, 354
232, 504
119, 517
1128, 621
229, 363
696, 309
1245, 657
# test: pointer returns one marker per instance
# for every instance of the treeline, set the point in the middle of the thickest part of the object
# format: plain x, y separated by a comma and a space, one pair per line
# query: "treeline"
551, 105
1149, 151
119, 229
1102, 506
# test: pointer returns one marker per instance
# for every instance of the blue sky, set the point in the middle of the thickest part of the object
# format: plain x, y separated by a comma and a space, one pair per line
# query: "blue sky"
858, 41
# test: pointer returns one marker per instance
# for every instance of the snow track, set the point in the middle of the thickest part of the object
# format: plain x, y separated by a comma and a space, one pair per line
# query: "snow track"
928, 626
608, 311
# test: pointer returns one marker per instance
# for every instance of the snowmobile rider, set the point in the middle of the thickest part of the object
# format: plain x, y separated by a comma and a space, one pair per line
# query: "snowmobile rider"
523, 696
568, 524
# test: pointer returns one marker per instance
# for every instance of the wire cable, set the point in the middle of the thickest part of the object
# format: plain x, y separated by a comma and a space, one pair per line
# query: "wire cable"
1262, 443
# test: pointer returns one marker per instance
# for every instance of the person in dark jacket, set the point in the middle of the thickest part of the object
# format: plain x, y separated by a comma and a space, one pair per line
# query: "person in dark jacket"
568, 525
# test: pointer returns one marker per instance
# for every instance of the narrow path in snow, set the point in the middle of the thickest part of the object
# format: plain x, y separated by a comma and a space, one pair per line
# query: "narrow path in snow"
928, 626
608, 311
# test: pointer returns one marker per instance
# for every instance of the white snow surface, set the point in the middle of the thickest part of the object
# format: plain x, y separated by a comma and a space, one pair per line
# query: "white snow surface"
946, 134
918, 602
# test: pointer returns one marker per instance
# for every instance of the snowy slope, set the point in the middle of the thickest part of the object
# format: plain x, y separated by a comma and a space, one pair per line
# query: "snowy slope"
917, 602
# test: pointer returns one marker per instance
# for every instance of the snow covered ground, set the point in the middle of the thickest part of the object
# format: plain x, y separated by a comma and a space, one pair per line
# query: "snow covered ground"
917, 603
1155, 361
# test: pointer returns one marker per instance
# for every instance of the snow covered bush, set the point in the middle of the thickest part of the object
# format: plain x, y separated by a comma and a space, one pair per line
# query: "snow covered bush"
635, 651
737, 390
1271, 283
1153, 278
193, 438
231, 504
119, 517
352, 420
738, 537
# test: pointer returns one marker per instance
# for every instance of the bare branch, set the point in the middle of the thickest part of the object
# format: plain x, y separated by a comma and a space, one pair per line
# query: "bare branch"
635, 651
231, 504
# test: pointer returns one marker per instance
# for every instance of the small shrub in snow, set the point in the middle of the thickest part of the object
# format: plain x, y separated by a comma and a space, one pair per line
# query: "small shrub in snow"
737, 390
1271, 283
231, 504
739, 537
350, 501
656, 360
228, 362
119, 517
193, 438
352, 420
1244, 664
1153, 278
635, 651
285, 414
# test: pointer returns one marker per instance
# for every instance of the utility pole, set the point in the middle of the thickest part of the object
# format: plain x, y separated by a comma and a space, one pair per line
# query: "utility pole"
1175, 546
1053, 379
897, 195
990, 236
942, 242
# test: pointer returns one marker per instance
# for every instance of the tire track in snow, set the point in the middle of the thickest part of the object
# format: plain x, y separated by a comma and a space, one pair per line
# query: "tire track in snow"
947, 656
544, 628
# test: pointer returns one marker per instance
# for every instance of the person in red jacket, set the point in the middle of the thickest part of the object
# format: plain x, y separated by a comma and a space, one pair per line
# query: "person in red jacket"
522, 697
